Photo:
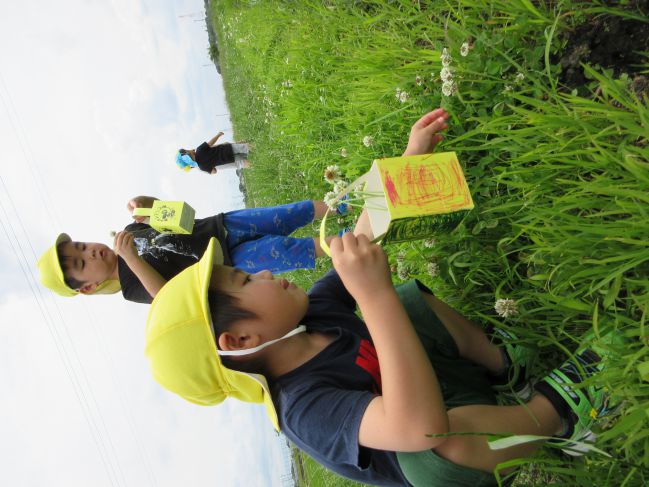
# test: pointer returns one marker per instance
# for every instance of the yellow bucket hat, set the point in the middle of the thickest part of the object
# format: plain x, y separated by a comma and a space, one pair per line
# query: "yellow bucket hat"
181, 346
49, 268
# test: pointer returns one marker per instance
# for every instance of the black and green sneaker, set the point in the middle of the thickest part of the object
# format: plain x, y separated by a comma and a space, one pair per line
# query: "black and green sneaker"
514, 383
577, 401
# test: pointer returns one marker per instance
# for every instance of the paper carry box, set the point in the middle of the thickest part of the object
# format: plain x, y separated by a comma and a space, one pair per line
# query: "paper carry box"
169, 216
414, 197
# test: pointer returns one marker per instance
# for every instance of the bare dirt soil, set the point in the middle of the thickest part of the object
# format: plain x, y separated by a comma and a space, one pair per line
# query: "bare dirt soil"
611, 42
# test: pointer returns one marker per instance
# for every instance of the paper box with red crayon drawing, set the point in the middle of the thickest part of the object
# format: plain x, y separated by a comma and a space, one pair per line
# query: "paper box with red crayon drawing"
414, 197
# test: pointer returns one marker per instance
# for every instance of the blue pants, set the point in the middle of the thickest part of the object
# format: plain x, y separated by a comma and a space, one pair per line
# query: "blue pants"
258, 238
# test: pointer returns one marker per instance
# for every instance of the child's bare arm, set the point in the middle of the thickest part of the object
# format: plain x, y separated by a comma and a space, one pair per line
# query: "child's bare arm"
140, 202
424, 134
411, 405
148, 276
213, 140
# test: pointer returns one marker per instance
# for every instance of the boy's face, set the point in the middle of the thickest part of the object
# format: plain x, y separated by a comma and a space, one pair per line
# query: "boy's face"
87, 262
278, 303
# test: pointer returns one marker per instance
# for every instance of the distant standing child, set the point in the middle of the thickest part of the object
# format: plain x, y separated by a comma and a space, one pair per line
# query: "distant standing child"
209, 156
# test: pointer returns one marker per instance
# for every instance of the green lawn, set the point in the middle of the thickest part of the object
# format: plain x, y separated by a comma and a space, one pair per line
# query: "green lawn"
559, 172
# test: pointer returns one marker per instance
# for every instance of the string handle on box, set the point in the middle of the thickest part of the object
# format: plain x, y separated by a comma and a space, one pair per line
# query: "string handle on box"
350, 187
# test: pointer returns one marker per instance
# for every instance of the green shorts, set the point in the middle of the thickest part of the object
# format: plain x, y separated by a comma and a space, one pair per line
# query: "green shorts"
463, 383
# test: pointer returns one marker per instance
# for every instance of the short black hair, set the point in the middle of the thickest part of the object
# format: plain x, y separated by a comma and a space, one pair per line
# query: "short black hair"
71, 282
225, 311
183, 151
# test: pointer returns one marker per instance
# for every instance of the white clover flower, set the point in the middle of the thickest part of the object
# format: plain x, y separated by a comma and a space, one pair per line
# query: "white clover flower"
429, 243
506, 308
508, 88
400, 256
332, 174
358, 190
402, 272
403, 96
368, 140
446, 57
464, 49
433, 269
331, 200
446, 74
287, 84
418, 80
339, 186
343, 152
449, 88
519, 77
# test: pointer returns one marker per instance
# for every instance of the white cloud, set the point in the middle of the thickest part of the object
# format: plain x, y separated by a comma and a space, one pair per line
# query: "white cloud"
96, 99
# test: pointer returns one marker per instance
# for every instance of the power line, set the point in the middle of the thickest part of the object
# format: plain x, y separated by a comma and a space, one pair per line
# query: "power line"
19, 132
54, 333
69, 365
126, 410
17, 127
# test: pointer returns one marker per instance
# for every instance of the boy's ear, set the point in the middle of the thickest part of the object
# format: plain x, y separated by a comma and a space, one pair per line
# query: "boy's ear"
88, 288
237, 340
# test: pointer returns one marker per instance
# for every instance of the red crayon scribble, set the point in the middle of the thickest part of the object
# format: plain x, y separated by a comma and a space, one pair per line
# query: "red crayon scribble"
391, 189
423, 185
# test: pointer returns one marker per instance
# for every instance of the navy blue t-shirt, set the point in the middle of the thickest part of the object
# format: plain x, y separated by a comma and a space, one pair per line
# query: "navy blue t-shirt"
321, 403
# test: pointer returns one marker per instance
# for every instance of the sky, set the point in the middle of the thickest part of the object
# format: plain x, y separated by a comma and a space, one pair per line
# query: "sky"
95, 98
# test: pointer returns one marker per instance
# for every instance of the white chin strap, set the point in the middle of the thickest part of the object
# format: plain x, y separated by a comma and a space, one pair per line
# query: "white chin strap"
249, 351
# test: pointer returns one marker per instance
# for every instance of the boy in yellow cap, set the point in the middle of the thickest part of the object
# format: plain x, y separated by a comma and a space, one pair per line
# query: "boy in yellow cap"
143, 259
362, 397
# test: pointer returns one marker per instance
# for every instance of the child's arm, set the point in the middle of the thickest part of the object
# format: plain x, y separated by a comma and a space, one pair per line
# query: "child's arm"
140, 202
148, 276
213, 140
411, 405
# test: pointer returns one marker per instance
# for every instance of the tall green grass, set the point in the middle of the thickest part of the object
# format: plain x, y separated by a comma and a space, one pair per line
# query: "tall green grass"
559, 176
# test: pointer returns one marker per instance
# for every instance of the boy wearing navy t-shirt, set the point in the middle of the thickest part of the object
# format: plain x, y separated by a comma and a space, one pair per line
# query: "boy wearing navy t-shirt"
371, 399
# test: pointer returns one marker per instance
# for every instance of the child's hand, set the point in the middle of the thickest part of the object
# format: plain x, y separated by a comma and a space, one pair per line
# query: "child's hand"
140, 202
424, 134
124, 246
361, 265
